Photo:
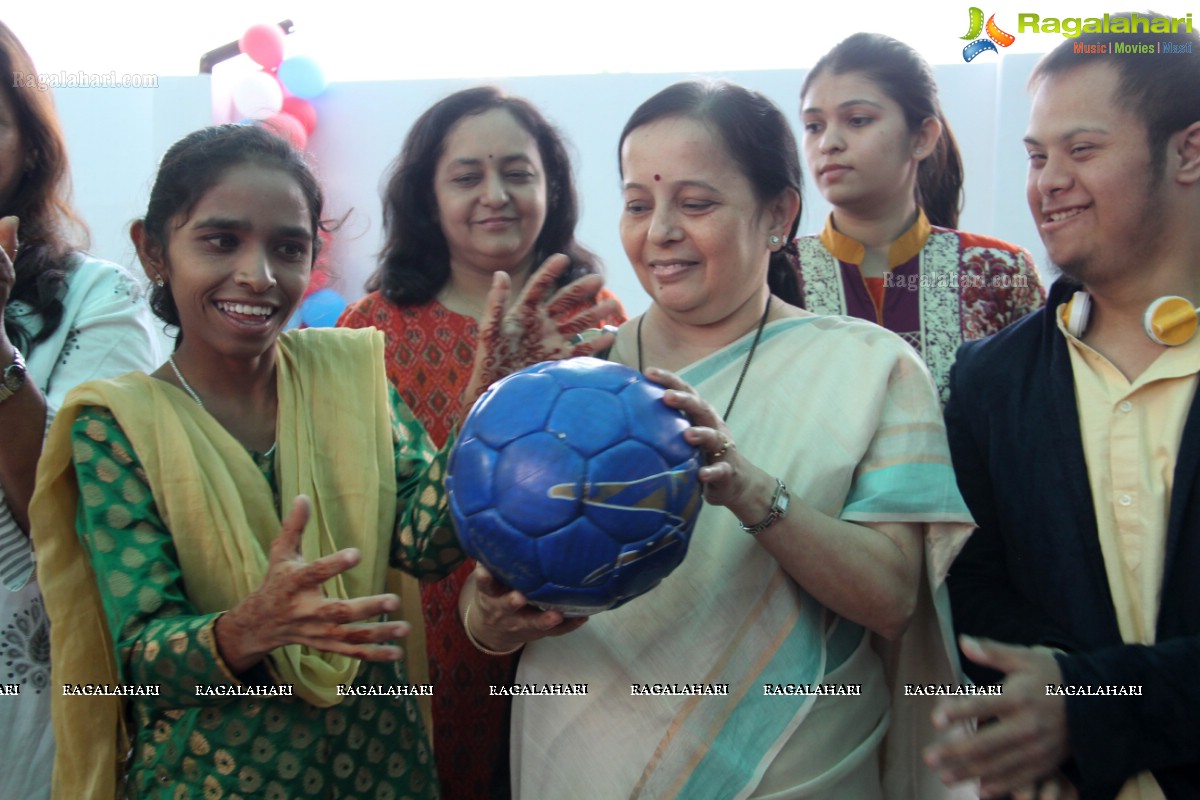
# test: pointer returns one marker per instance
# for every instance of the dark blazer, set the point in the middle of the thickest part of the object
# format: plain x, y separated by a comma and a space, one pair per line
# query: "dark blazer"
1034, 574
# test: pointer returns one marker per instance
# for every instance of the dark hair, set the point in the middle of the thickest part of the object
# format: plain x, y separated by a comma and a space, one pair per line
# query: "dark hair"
195, 164
758, 137
41, 197
907, 79
415, 262
1164, 92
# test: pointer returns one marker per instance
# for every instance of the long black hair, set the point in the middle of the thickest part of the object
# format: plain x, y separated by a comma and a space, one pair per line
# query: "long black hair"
415, 262
50, 229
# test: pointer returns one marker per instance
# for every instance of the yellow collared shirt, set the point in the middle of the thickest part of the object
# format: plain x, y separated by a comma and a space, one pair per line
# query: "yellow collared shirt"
1131, 436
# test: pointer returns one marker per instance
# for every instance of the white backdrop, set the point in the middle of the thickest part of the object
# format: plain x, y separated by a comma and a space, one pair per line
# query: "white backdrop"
117, 135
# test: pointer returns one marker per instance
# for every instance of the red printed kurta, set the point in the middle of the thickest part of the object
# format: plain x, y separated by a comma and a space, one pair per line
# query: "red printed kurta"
429, 352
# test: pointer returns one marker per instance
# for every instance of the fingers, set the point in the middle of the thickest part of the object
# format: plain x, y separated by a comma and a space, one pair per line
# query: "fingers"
598, 344
317, 572
364, 641
8, 237
343, 612
495, 302
1004, 658
287, 544
570, 322
577, 296
542, 282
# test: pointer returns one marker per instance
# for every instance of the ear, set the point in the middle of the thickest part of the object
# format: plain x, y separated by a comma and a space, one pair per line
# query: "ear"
926, 138
149, 253
782, 211
1185, 146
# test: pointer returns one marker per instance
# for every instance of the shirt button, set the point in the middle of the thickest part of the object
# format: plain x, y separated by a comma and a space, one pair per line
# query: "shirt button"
1125, 500
1126, 406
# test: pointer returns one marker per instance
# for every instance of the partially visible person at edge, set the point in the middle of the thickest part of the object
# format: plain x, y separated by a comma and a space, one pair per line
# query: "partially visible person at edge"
835, 413
483, 183
259, 661
67, 318
1076, 439
881, 152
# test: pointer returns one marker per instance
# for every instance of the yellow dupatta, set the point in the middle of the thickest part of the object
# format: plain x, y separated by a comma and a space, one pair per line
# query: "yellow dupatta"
334, 444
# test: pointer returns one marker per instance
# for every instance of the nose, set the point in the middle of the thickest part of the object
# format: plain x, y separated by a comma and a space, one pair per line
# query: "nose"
664, 225
831, 140
495, 193
255, 272
1054, 176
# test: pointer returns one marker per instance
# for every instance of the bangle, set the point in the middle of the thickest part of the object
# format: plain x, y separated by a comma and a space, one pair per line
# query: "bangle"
474, 641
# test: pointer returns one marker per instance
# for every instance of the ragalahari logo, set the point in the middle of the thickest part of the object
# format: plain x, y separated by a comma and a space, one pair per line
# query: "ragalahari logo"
995, 36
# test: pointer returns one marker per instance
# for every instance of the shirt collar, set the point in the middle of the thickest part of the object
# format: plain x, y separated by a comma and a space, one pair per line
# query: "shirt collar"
901, 251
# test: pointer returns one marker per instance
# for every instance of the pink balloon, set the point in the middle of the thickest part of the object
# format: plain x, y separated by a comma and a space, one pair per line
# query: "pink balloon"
287, 127
302, 110
264, 44
257, 95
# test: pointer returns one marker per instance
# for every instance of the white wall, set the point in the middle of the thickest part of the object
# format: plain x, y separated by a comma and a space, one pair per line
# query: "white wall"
117, 135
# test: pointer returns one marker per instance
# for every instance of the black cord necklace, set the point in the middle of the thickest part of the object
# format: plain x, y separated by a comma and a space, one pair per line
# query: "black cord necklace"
762, 323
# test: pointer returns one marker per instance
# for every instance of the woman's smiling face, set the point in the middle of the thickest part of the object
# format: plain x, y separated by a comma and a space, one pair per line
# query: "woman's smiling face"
238, 265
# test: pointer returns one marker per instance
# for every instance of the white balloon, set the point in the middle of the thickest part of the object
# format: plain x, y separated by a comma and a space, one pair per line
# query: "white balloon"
258, 96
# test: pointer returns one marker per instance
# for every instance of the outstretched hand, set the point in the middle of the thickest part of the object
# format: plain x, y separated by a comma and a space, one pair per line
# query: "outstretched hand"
290, 607
533, 329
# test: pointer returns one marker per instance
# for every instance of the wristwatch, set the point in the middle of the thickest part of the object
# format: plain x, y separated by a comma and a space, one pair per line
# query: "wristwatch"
13, 377
779, 507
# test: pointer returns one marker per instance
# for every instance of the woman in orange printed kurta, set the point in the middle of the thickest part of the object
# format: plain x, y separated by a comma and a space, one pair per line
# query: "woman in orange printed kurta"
482, 184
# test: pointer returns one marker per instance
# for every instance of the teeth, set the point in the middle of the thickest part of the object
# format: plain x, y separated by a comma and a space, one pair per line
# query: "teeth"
242, 308
1058, 216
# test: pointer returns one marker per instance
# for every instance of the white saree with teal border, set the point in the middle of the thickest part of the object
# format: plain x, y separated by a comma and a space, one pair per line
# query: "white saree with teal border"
696, 690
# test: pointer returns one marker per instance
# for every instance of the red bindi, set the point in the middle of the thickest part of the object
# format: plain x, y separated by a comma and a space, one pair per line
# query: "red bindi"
658, 177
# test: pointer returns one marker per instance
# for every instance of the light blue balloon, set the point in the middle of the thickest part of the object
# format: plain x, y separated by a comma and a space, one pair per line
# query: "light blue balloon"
302, 76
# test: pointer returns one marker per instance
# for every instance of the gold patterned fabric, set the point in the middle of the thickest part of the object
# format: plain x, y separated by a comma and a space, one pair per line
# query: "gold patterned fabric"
195, 739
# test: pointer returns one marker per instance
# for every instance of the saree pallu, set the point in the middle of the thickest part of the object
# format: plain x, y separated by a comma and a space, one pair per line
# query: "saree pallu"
846, 414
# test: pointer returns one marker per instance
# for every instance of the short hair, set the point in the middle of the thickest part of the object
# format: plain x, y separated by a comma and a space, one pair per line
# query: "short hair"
50, 227
1161, 90
758, 138
195, 164
414, 264
904, 76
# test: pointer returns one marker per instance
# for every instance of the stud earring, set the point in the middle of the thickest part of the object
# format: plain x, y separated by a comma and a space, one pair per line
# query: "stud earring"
159, 282
775, 240
917, 152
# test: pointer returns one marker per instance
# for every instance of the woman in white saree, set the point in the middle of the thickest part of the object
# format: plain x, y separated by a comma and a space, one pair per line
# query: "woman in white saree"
831, 517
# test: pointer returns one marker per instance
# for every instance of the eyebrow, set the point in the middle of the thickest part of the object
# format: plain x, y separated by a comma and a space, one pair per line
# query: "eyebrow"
1071, 134
242, 226
470, 162
681, 184
861, 101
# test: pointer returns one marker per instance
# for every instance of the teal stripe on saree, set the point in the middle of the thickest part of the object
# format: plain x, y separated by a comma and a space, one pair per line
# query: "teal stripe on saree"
892, 493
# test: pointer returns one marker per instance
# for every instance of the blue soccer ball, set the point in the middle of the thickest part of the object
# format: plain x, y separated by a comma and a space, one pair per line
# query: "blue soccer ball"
571, 481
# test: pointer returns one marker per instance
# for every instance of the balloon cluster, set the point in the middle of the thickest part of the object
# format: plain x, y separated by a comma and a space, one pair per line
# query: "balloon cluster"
277, 97
278, 94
